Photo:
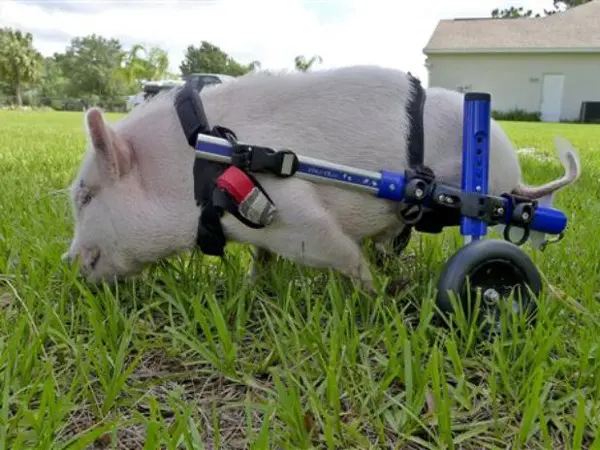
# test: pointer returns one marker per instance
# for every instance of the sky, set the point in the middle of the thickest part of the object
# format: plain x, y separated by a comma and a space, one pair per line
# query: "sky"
389, 33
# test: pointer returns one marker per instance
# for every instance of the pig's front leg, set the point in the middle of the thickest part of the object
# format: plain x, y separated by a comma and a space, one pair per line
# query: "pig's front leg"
311, 237
385, 248
325, 249
391, 243
261, 258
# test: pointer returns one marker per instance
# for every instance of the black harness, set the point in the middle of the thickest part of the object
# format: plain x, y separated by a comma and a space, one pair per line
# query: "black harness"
414, 216
215, 200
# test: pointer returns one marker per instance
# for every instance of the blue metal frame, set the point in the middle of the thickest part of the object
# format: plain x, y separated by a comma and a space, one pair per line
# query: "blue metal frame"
476, 156
390, 185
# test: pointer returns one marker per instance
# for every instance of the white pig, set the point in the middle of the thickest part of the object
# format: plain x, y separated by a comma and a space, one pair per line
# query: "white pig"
133, 197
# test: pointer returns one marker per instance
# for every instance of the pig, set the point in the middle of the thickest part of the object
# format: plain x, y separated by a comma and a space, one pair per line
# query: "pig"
133, 196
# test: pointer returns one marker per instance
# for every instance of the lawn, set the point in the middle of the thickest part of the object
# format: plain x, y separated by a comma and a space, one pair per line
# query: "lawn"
187, 356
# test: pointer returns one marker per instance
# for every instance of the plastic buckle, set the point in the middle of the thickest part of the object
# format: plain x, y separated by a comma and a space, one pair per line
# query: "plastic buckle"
241, 157
283, 163
257, 208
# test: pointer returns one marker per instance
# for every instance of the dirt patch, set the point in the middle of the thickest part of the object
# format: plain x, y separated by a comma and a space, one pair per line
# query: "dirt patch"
217, 406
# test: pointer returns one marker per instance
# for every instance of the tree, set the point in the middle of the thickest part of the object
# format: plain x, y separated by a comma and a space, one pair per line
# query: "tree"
20, 62
303, 65
135, 67
158, 63
152, 65
211, 59
513, 13
562, 5
255, 65
53, 82
94, 66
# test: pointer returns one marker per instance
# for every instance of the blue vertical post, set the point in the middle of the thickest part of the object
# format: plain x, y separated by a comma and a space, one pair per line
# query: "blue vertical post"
476, 156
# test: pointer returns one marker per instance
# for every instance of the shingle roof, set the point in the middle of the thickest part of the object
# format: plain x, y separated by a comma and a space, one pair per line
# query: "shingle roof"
576, 28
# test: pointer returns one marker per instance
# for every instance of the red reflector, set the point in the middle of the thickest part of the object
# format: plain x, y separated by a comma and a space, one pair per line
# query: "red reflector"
236, 182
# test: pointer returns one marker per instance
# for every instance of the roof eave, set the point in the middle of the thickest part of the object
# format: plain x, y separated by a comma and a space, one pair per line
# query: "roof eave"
449, 51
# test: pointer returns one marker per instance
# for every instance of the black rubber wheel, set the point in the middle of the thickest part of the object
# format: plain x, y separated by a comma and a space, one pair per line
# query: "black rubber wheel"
497, 268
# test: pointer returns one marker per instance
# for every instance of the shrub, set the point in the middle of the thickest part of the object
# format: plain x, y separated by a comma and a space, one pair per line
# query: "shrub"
518, 115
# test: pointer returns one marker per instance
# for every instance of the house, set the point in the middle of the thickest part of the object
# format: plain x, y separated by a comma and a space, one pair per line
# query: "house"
548, 65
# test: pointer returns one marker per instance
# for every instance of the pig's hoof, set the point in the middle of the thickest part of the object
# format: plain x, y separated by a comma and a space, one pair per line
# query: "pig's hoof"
381, 258
396, 286
401, 241
399, 244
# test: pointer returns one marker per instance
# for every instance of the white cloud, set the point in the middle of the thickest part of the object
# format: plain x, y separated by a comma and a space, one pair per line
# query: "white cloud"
391, 33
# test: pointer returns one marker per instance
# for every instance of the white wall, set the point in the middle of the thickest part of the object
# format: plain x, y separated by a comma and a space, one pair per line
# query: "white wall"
515, 80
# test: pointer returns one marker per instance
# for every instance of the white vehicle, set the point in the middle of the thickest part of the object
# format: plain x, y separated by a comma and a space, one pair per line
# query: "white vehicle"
199, 80
151, 88
135, 100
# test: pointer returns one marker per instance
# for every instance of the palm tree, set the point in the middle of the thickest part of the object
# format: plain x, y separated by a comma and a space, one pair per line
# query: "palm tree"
141, 65
20, 62
158, 62
135, 66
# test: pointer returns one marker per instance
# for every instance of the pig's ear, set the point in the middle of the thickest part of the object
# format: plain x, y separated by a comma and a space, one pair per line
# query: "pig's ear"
114, 152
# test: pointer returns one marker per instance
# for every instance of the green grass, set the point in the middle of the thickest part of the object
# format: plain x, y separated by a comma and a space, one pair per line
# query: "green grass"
187, 356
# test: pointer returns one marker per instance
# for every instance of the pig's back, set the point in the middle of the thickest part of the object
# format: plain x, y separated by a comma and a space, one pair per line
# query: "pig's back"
354, 116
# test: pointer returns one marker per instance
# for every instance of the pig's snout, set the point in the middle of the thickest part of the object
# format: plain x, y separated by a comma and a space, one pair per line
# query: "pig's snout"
87, 257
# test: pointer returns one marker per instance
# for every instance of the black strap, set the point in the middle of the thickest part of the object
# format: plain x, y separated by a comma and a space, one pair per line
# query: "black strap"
414, 215
191, 114
416, 136
205, 179
210, 237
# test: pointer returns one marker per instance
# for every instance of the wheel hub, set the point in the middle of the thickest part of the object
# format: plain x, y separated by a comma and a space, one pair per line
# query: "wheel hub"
491, 296
496, 279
